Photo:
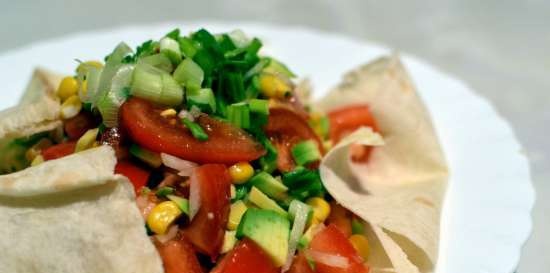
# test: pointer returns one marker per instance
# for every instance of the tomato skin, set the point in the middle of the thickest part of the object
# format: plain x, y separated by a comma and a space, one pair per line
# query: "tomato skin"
226, 144
135, 174
178, 256
347, 119
59, 150
286, 127
206, 230
331, 240
340, 217
300, 265
247, 256
76, 126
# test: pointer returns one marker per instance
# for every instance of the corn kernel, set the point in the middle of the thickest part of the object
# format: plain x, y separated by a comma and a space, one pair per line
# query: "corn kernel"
82, 66
87, 140
229, 241
272, 86
67, 88
241, 172
361, 244
37, 160
168, 113
321, 209
71, 107
162, 216
236, 212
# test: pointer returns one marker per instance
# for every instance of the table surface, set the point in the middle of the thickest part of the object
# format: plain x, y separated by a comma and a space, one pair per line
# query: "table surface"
499, 48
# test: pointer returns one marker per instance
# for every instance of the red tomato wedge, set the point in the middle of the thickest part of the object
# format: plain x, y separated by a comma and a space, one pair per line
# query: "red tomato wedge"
207, 228
286, 127
178, 256
135, 174
345, 120
246, 257
226, 144
332, 241
59, 150
300, 265
340, 217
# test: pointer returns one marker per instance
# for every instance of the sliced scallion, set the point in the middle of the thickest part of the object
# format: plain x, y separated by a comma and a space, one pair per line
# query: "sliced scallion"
279, 68
306, 152
171, 49
187, 47
156, 85
159, 61
113, 63
239, 39
189, 73
238, 114
202, 98
196, 129
259, 106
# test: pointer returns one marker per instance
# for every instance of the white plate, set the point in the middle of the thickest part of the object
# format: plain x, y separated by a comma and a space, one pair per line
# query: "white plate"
486, 217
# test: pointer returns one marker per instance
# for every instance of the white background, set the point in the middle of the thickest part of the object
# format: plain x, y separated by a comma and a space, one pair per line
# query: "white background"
500, 48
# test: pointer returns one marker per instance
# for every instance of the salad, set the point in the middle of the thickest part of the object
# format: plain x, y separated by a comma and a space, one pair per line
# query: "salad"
223, 151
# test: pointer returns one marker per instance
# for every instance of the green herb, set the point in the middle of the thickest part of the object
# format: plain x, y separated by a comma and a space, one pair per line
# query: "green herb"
201, 98
306, 152
164, 191
190, 74
238, 114
156, 85
174, 34
195, 129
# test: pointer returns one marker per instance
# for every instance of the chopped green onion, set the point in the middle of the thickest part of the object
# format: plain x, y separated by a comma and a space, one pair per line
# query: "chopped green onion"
240, 192
299, 213
205, 60
202, 98
259, 106
239, 39
187, 47
256, 69
159, 61
117, 94
238, 114
225, 42
93, 76
174, 34
306, 152
357, 227
182, 203
189, 73
114, 61
303, 183
195, 129
151, 158
170, 48
278, 68
164, 191
235, 86
156, 85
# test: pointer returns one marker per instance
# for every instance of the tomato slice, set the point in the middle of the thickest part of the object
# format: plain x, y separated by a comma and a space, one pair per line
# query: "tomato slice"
226, 144
135, 174
59, 150
247, 256
345, 120
340, 217
178, 256
286, 127
331, 240
207, 228
76, 126
300, 265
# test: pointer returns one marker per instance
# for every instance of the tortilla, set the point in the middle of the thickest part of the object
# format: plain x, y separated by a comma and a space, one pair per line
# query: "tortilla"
400, 191
81, 218
38, 109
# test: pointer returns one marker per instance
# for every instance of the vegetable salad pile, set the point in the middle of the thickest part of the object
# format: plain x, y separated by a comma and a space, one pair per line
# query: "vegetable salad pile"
222, 153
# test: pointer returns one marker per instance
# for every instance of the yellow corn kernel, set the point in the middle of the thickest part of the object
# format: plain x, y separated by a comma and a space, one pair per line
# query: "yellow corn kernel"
241, 172
37, 160
71, 107
229, 241
82, 66
168, 113
321, 208
361, 244
162, 216
87, 140
67, 88
272, 86
236, 212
